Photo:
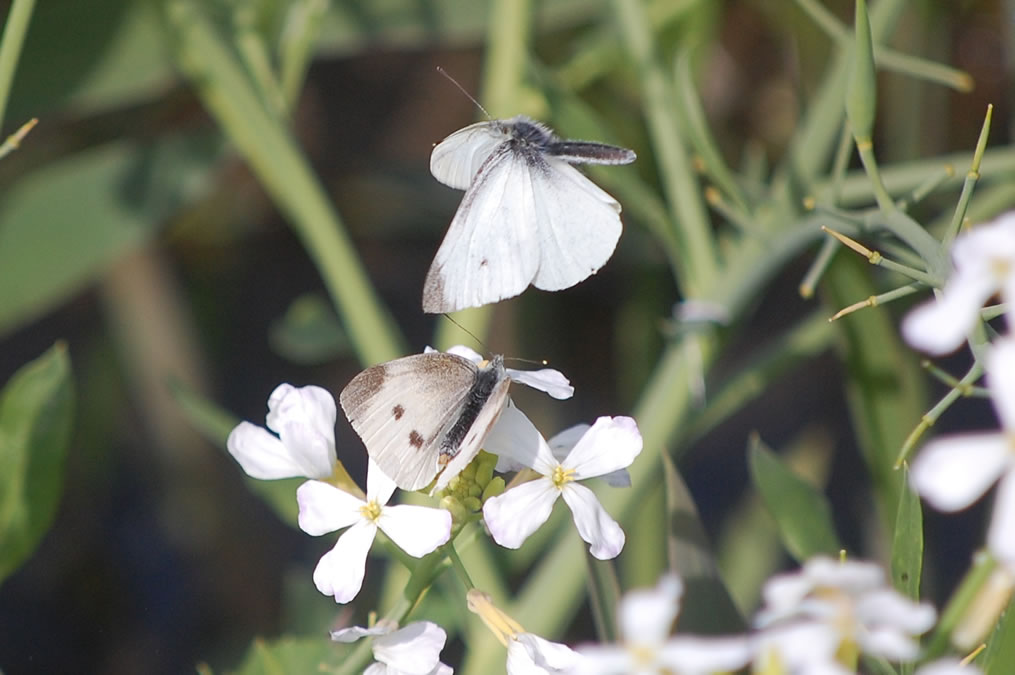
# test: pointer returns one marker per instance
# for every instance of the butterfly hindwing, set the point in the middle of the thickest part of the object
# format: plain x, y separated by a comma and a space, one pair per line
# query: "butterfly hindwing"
578, 222
402, 410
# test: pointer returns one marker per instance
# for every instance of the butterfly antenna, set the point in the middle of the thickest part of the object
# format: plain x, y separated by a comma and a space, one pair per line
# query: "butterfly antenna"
468, 332
478, 105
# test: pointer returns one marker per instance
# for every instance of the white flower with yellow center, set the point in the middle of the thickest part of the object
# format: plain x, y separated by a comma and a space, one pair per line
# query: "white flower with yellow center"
609, 445
645, 619
846, 608
417, 530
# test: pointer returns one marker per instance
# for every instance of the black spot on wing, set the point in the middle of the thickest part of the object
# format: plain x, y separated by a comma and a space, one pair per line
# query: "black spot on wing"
398, 411
415, 440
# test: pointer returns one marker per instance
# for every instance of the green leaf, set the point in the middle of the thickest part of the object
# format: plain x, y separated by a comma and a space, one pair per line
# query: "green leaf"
36, 410
309, 332
802, 514
604, 597
61, 225
907, 542
111, 53
1000, 652
861, 95
707, 606
288, 655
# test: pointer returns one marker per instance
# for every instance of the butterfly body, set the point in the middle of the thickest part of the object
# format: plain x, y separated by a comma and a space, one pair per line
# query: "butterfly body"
426, 414
527, 217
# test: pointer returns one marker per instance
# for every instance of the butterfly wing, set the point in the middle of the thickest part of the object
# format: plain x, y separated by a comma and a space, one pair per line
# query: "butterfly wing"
402, 410
579, 225
491, 250
457, 159
488, 415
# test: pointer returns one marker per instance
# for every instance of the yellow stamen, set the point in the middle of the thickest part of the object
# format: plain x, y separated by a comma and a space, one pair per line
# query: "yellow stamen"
503, 627
562, 476
371, 510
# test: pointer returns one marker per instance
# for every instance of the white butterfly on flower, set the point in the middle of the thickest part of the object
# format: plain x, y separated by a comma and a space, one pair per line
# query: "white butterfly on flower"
527, 217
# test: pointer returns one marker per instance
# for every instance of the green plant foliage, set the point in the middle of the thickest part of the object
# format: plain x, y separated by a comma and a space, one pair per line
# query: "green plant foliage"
36, 412
801, 513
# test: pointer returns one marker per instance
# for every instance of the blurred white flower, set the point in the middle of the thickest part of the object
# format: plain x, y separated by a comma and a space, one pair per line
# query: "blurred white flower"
984, 264
948, 667
527, 654
324, 508
645, 618
412, 650
953, 472
850, 602
610, 444
304, 419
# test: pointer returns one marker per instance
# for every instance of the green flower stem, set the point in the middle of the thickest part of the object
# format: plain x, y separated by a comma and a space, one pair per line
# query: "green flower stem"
456, 563
880, 299
818, 266
296, 47
972, 176
866, 150
700, 266
888, 58
252, 49
983, 565
287, 177
10, 48
904, 177
932, 415
933, 181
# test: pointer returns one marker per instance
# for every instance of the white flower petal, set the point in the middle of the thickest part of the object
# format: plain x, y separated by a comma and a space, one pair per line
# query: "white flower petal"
799, 648
417, 530
340, 571
888, 643
646, 615
611, 443
324, 508
1001, 535
466, 353
261, 454
1000, 367
304, 419
594, 525
377, 669
953, 472
413, 650
948, 667
529, 653
693, 655
852, 576
886, 607
549, 380
603, 660
514, 515
354, 633
940, 326
379, 486
562, 444
517, 439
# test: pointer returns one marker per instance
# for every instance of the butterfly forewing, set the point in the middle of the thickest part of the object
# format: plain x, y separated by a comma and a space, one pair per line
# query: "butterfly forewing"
456, 160
403, 408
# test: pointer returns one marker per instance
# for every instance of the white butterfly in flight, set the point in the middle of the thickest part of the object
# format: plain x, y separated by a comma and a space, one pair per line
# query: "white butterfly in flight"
528, 216
428, 414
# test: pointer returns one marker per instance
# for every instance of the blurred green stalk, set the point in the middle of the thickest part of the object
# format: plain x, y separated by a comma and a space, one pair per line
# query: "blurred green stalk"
286, 175
10, 48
